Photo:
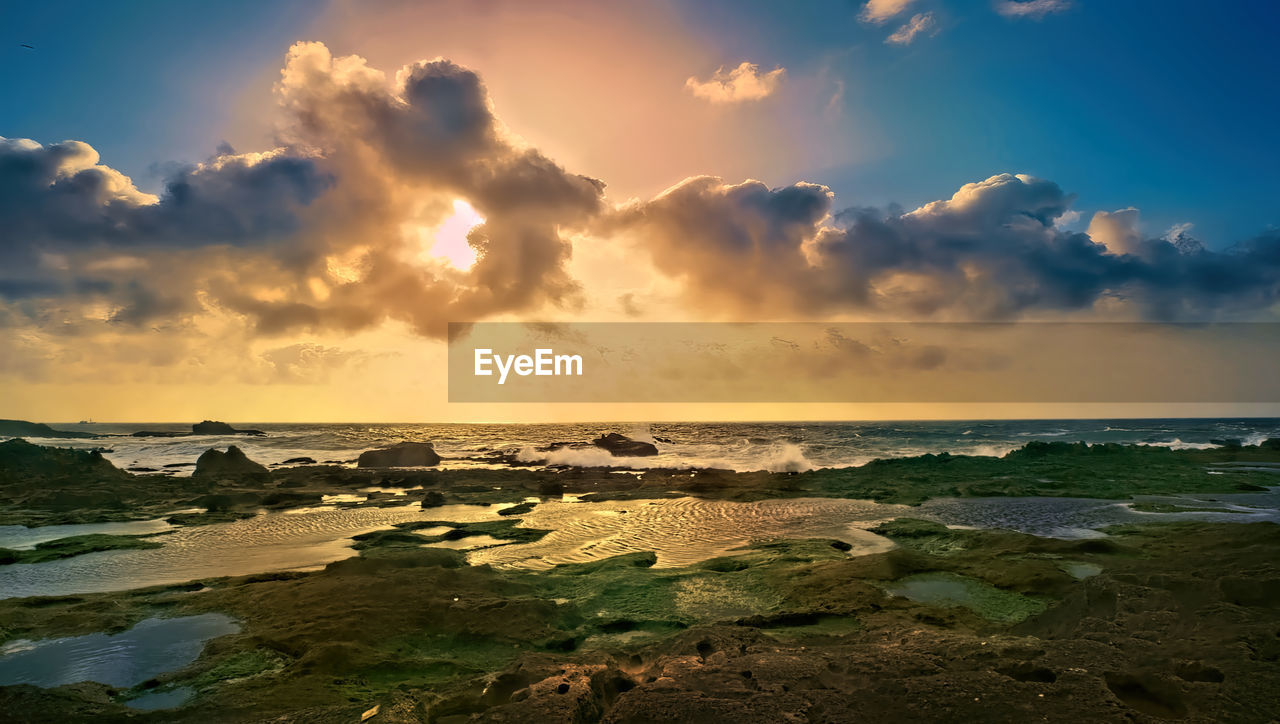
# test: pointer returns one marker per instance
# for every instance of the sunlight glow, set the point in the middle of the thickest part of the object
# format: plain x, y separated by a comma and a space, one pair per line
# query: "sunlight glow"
448, 241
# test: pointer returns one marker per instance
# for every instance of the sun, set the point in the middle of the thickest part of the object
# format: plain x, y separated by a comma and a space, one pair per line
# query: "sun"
448, 241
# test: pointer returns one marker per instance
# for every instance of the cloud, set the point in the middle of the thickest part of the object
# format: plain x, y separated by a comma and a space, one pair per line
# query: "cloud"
744, 83
1034, 9
922, 23
1117, 230
992, 251
322, 232
878, 11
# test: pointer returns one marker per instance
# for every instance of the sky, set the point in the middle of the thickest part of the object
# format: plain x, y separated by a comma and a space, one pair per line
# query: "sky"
270, 211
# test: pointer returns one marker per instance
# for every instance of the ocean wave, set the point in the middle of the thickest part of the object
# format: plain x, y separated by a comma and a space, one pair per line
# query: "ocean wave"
1178, 444
788, 458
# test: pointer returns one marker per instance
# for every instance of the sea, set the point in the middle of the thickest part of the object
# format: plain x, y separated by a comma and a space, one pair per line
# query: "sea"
771, 446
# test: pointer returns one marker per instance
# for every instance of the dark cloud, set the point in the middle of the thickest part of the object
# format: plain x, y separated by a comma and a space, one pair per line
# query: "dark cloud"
58, 198
991, 251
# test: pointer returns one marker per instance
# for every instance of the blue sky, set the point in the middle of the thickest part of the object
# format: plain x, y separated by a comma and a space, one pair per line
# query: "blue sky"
1167, 106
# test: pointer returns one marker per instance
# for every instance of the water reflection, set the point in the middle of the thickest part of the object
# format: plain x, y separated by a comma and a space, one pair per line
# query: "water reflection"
684, 531
126, 659
296, 539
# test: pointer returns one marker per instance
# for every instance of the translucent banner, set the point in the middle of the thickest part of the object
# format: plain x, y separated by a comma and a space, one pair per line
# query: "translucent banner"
864, 362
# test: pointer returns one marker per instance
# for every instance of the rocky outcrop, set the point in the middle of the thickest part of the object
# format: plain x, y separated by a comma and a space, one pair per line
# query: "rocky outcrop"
32, 465
214, 427
230, 464
205, 427
403, 455
22, 428
59, 480
623, 446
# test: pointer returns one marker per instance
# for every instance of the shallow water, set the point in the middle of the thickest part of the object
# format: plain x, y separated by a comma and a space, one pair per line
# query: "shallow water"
949, 589
1080, 571
290, 540
157, 700
150, 648
683, 531
20, 537
1082, 517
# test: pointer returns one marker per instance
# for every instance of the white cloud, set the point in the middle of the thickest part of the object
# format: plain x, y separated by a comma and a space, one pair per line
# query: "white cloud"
1034, 9
1117, 230
921, 23
878, 11
744, 83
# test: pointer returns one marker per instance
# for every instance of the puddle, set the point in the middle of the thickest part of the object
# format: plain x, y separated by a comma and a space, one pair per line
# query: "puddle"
156, 700
20, 537
152, 647
1079, 570
951, 590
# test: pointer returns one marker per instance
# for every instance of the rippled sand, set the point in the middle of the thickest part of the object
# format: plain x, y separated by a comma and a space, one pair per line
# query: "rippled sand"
684, 531
295, 539
681, 531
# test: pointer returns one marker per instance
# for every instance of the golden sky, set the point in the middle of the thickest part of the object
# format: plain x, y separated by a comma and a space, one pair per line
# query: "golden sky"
397, 169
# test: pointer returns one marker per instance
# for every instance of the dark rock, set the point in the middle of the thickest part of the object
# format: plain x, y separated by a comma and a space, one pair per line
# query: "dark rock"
1271, 443
213, 427
623, 446
22, 428
206, 427
519, 509
299, 461
32, 463
1234, 443
232, 463
432, 499
403, 455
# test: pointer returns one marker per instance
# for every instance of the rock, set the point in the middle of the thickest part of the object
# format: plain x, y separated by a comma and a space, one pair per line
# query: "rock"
34, 464
299, 461
433, 499
1271, 443
623, 446
403, 455
206, 427
1231, 442
232, 463
213, 427
22, 428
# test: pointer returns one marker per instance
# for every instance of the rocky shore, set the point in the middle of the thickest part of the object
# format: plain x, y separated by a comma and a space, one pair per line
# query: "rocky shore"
1153, 622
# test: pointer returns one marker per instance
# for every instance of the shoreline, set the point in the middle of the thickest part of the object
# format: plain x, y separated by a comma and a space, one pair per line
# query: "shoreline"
53, 485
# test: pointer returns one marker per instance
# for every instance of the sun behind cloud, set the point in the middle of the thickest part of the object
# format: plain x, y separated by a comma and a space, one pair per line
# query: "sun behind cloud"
448, 241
